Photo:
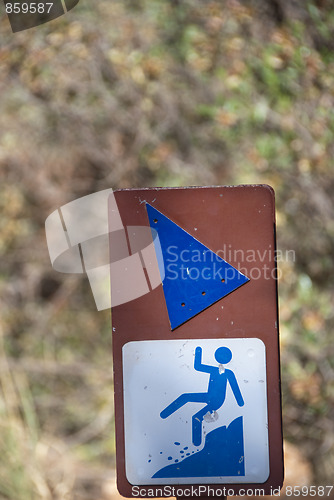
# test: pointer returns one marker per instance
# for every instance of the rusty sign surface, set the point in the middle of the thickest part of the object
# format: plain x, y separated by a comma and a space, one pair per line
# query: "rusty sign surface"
196, 354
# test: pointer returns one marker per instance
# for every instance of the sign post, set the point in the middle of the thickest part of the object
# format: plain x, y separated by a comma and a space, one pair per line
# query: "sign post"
196, 360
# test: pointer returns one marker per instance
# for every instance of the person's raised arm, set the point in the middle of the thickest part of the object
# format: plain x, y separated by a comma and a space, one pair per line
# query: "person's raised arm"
198, 365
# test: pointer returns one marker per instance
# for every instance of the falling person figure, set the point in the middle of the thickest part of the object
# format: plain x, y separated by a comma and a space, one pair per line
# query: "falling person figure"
215, 395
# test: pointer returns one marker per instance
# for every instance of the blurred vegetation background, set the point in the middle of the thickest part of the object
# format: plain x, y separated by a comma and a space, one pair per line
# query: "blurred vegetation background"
137, 93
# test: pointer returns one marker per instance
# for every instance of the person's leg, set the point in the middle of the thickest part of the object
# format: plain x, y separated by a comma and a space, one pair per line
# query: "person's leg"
191, 397
197, 420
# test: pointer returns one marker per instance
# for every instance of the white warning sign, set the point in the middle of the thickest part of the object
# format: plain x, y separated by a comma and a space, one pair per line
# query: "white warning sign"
195, 411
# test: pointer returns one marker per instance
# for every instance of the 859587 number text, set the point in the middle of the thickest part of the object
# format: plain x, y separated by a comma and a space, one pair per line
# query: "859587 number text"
31, 8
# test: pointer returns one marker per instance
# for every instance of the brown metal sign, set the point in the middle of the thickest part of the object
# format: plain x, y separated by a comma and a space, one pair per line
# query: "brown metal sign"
196, 352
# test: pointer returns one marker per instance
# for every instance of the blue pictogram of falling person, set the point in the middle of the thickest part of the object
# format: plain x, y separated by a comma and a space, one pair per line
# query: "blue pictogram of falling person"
214, 398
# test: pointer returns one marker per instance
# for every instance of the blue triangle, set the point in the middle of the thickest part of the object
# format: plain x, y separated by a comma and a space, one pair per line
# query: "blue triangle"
193, 276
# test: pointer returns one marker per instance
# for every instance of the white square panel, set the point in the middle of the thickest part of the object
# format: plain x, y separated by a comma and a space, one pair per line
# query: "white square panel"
217, 432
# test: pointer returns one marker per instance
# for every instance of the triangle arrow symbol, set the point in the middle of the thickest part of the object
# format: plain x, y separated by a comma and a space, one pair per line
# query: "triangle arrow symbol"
194, 277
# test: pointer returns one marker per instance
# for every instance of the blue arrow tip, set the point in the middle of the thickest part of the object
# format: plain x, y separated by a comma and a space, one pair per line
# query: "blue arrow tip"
194, 277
